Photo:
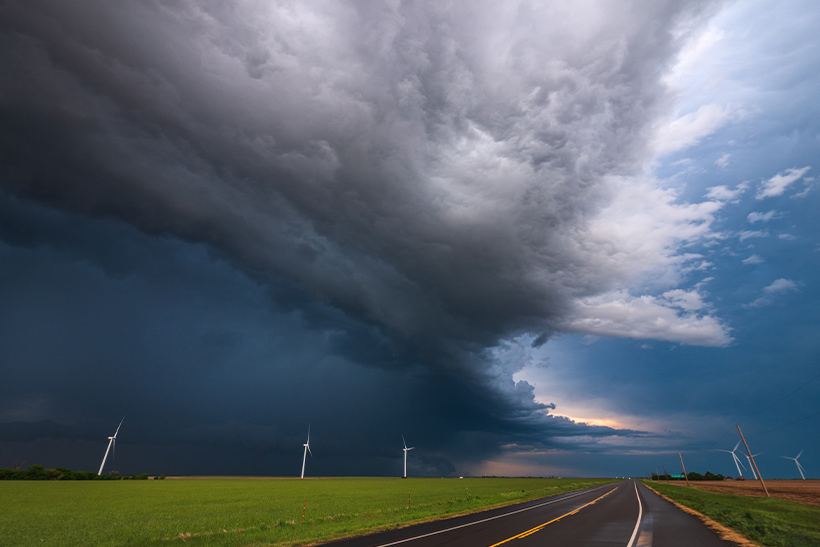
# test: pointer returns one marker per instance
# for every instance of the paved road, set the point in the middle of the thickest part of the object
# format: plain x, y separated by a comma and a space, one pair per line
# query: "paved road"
625, 514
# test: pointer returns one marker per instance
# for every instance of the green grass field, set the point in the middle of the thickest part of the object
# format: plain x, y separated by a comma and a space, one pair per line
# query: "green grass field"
244, 511
767, 521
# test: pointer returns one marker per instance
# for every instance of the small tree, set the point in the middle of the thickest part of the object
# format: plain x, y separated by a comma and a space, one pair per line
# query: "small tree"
54, 474
36, 473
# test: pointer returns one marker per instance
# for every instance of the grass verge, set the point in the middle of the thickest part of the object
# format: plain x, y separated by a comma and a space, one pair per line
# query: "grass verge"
244, 511
767, 521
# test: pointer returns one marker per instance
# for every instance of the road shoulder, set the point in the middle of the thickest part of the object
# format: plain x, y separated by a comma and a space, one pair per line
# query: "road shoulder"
726, 534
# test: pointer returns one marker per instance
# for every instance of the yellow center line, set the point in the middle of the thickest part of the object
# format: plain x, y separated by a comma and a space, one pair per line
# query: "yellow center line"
541, 526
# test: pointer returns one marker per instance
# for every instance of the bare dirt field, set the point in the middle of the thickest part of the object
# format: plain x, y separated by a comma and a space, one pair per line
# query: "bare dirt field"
807, 492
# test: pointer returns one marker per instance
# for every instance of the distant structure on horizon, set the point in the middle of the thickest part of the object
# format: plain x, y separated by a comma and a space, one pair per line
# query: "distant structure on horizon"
752, 467
799, 467
406, 450
307, 449
738, 463
112, 441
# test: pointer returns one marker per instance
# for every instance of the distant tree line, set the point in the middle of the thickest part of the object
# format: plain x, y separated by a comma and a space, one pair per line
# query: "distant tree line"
693, 476
40, 473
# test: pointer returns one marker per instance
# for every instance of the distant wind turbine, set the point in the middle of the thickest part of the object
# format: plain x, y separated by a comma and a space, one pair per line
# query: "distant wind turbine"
752, 467
737, 461
406, 450
307, 449
799, 467
112, 441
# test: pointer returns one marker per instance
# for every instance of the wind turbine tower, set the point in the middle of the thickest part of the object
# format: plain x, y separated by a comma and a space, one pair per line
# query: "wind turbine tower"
752, 467
799, 467
406, 450
307, 449
112, 441
737, 461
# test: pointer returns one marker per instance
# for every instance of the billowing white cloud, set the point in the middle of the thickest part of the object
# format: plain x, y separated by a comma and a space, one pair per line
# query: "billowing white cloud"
724, 193
781, 285
778, 184
749, 234
761, 217
671, 317
693, 55
689, 129
754, 259
770, 292
641, 237
723, 161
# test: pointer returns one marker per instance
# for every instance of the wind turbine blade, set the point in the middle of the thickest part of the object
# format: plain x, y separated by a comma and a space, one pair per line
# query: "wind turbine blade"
411, 448
118, 427
403, 441
801, 453
735, 448
740, 462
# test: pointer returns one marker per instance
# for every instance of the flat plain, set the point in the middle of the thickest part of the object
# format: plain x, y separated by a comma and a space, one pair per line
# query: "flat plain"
245, 511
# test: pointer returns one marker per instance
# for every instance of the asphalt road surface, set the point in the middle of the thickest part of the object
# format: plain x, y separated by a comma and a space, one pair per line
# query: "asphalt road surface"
625, 514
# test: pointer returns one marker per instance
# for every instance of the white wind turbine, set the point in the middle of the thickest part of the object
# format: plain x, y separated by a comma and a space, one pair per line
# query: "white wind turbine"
307, 449
737, 461
112, 441
752, 467
406, 450
799, 467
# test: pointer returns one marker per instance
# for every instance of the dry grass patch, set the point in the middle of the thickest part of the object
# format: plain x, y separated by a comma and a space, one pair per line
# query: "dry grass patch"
800, 491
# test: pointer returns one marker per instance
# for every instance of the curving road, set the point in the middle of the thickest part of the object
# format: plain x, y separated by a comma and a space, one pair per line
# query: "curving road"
626, 514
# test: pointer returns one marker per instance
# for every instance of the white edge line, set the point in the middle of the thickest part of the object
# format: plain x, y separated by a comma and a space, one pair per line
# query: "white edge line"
640, 514
493, 518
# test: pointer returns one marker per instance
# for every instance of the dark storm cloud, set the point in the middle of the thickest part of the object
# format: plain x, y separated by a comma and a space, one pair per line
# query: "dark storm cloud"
327, 146
101, 320
405, 181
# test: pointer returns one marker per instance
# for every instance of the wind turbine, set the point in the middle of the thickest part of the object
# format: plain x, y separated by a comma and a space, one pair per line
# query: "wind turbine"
752, 467
799, 467
307, 449
112, 441
406, 450
737, 461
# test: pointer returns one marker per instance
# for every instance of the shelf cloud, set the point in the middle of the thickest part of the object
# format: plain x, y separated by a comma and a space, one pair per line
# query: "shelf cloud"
413, 184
